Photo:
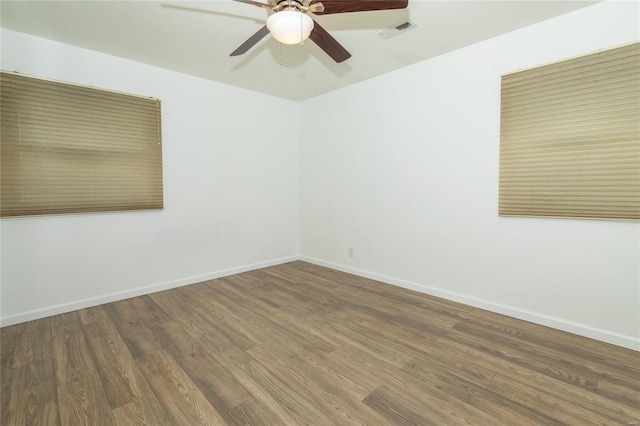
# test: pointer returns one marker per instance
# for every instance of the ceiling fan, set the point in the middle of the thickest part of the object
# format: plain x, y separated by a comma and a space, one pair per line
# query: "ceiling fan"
290, 22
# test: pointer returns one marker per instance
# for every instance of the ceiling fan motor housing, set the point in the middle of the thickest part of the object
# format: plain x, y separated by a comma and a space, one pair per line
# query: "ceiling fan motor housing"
289, 5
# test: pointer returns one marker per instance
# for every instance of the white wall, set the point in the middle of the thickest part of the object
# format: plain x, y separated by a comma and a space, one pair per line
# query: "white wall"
405, 171
231, 193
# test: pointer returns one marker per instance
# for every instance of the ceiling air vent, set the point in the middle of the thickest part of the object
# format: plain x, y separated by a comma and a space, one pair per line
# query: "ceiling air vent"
398, 29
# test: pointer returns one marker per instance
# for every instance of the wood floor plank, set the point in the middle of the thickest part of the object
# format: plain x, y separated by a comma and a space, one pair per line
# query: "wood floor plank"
178, 339
300, 344
407, 340
285, 323
501, 408
219, 324
33, 342
81, 402
515, 409
176, 391
391, 405
363, 288
224, 316
352, 378
6, 374
449, 397
373, 343
589, 351
297, 299
8, 339
218, 385
517, 376
8, 342
463, 363
135, 320
118, 371
277, 354
33, 398
624, 371
361, 299
141, 411
252, 412
567, 394
71, 353
176, 305
92, 314
80, 392
553, 407
416, 382
293, 407
296, 273
623, 394
402, 301
334, 399
534, 358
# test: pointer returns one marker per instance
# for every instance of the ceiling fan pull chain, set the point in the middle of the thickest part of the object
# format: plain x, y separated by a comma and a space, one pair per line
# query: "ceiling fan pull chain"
301, 37
280, 47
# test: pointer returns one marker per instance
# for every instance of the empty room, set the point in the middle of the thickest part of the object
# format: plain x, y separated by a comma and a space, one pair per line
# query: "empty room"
324, 212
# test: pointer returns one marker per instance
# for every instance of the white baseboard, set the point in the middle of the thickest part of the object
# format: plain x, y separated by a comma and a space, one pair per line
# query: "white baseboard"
557, 323
139, 291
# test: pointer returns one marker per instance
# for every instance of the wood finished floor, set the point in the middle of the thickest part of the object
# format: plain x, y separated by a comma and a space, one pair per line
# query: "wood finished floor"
299, 344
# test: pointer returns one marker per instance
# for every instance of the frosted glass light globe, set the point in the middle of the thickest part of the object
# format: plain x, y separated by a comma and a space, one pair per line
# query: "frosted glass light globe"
290, 26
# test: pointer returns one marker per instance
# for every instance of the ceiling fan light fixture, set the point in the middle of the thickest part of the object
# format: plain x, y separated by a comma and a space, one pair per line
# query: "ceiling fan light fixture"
290, 26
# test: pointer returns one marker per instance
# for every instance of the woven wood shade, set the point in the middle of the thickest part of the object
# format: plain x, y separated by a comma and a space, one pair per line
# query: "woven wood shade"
570, 138
73, 149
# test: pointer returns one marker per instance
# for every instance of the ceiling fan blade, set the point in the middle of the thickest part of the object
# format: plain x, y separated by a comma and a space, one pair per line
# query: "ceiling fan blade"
316, 8
251, 41
256, 3
345, 6
330, 45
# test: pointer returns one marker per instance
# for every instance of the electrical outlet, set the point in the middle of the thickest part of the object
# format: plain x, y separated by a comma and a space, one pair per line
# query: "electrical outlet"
350, 252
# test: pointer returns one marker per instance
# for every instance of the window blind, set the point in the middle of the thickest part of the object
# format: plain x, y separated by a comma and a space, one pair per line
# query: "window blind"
73, 149
570, 138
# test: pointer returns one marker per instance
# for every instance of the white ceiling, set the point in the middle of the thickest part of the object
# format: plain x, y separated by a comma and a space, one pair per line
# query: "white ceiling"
196, 37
